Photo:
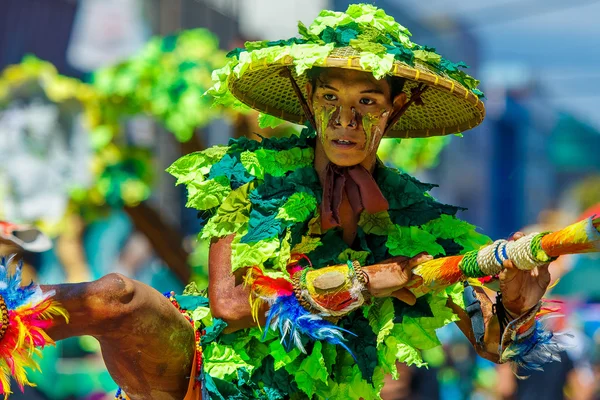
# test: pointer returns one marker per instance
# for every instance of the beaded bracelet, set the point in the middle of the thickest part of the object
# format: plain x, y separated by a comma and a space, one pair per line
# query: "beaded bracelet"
5, 317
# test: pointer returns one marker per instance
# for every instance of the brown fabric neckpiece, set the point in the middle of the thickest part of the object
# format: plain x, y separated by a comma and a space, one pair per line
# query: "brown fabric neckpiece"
361, 189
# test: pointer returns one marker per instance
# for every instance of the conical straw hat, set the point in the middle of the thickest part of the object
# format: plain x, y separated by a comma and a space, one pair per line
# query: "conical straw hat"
362, 38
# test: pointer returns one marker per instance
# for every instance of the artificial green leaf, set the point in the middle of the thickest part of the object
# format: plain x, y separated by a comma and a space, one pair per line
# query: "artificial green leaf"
222, 361
269, 121
250, 254
327, 18
281, 356
427, 56
306, 56
455, 292
368, 46
376, 224
448, 227
408, 355
472, 241
379, 65
232, 169
278, 163
353, 255
308, 244
298, 208
193, 166
262, 227
200, 314
207, 194
191, 302
282, 259
213, 331
250, 161
311, 370
231, 216
381, 318
409, 241
359, 388
419, 331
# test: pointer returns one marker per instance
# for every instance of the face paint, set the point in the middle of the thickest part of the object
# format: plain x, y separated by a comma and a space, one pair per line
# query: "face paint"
323, 117
370, 125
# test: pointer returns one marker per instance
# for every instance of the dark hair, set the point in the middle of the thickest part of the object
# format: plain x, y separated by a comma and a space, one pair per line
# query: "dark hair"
396, 83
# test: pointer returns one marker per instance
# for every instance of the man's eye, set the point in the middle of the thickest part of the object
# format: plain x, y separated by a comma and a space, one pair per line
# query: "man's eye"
366, 101
329, 97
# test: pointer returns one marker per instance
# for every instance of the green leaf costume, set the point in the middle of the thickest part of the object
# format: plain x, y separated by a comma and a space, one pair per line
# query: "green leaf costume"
273, 217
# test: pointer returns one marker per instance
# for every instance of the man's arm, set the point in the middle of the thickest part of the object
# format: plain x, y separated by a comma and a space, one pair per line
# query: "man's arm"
488, 348
148, 346
229, 298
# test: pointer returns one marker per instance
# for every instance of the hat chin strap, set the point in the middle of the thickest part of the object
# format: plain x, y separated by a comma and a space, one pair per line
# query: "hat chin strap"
307, 112
415, 97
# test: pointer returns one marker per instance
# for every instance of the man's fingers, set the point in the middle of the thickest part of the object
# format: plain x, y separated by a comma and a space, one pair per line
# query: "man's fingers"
405, 295
419, 259
509, 271
517, 236
508, 264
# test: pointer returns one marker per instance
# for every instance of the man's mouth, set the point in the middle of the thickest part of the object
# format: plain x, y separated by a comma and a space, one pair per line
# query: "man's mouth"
342, 143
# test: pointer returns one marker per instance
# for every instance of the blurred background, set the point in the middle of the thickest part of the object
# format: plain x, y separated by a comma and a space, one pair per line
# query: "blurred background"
98, 97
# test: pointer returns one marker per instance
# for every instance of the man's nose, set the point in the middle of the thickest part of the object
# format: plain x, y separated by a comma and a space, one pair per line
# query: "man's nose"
346, 117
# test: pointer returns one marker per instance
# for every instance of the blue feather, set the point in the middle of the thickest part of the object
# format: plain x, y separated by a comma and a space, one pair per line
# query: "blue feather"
292, 320
11, 290
539, 348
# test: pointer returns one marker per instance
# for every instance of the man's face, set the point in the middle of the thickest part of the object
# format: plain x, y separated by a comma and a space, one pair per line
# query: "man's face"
351, 111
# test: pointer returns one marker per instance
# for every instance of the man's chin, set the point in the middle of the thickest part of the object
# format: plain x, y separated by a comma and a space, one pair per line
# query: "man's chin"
346, 161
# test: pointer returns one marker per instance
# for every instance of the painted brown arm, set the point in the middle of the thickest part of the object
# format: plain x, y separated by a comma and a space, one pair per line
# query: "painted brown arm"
147, 345
227, 293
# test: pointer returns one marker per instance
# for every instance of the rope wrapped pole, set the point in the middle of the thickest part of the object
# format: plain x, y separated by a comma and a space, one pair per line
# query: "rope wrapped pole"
526, 253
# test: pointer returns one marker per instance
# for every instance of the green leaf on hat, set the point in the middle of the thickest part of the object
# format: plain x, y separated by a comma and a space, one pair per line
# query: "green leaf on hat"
269, 121
427, 56
379, 65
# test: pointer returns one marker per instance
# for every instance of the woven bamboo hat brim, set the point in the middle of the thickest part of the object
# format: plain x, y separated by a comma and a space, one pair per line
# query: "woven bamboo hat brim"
448, 107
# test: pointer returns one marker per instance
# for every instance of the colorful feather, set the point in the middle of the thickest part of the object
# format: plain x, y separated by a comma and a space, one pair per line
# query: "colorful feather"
264, 288
293, 321
533, 352
30, 313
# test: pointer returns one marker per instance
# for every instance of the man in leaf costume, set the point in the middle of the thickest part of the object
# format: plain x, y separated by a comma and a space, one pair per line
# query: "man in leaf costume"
314, 239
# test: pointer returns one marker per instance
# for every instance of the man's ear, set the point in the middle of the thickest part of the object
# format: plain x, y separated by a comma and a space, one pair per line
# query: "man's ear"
399, 101
309, 94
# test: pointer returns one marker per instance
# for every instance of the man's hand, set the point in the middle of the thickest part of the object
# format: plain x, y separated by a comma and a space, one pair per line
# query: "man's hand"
389, 277
521, 290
